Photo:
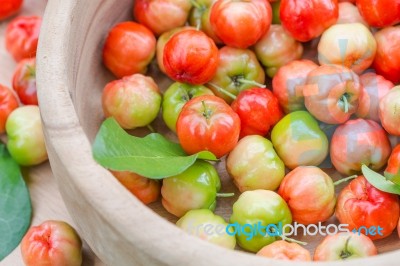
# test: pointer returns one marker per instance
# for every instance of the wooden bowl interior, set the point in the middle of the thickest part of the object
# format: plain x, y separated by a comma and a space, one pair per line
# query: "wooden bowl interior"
85, 78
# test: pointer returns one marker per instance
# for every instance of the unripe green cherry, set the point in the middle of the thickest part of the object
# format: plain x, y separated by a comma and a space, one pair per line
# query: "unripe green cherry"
175, 98
208, 226
195, 188
257, 218
254, 164
25, 136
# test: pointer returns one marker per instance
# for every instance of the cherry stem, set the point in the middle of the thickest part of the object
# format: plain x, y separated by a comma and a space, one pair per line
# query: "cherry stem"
195, 4
202, 8
340, 181
198, 24
225, 195
223, 91
345, 103
31, 70
151, 128
345, 253
251, 82
206, 112
288, 239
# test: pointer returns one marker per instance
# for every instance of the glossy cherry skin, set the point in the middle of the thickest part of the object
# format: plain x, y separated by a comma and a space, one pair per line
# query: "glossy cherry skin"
361, 204
8, 102
241, 23
309, 193
161, 41
22, 36
344, 246
52, 243
145, 189
128, 49
258, 110
379, 13
308, 19
331, 93
9, 8
387, 58
359, 142
161, 15
190, 56
375, 88
24, 81
208, 123
238, 70
134, 101
388, 111
288, 84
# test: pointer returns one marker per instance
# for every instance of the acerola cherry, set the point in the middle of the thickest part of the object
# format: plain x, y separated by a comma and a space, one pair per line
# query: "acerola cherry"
381, 13
208, 123
190, 56
308, 19
240, 23
161, 15
258, 110
22, 36
24, 81
52, 243
128, 49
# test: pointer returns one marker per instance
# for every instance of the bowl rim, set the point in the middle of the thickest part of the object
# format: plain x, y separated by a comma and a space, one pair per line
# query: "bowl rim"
64, 133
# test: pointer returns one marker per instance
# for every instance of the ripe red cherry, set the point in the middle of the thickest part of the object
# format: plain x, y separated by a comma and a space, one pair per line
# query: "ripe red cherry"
381, 13
161, 15
387, 58
208, 123
22, 36
9, 8
128, 49
258, 110
240, 23
308, 19
190, 56
24, 81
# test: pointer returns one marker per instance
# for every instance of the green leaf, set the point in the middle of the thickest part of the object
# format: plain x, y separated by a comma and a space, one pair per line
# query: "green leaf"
395, 178
379, 181
153, 156
15, 204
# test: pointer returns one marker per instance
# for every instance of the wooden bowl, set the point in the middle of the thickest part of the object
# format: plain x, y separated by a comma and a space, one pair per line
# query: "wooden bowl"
118, 227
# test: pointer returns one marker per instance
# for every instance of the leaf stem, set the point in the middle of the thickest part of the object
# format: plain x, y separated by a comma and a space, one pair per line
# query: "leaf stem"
340, 181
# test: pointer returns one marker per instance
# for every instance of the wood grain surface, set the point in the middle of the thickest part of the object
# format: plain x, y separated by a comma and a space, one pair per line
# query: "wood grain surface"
46, 199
